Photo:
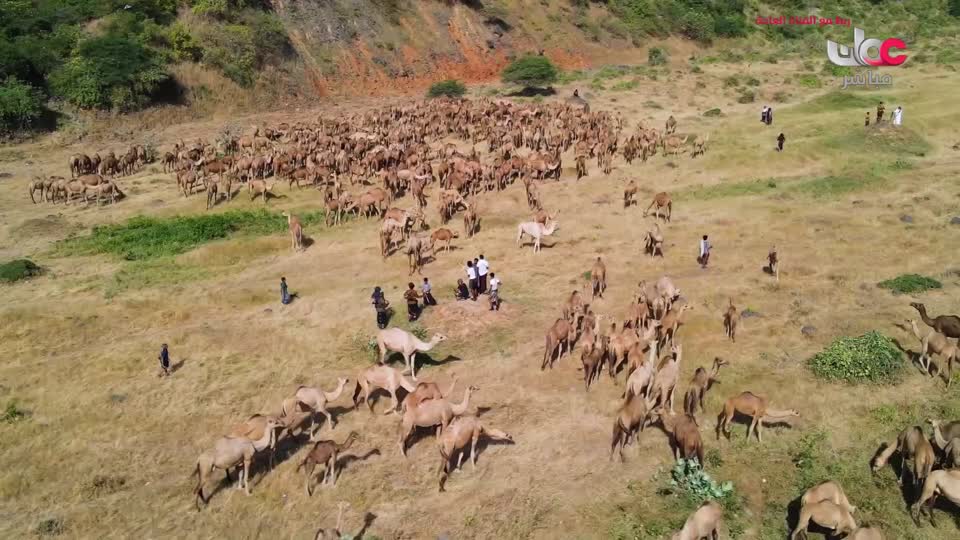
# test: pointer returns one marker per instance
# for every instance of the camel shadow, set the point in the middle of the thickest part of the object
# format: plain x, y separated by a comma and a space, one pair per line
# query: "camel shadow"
347, 459
307, 242
176, 366
368, 520
427, 360
482, 411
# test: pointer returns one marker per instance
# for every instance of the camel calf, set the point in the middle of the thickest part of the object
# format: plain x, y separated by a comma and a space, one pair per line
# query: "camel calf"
827, 515
705, 522
730, 321
325, 453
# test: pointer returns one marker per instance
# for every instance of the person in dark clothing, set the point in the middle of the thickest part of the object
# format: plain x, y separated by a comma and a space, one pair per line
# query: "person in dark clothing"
380, 304
426, 288
284, 293
769, 115
461, 292
880, 111
780, 140
164, 361
413, 304
866, 121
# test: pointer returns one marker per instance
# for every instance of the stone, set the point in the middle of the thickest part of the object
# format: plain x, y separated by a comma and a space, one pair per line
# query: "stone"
808, 330
747, 313
906, 218
955, 220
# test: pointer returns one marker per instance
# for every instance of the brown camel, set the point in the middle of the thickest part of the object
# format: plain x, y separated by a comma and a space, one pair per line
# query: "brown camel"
661, 201
664, 386
470, 220
936, 343
757, 407
827, 490
915, 449
632, 417
629, 194
701, 383
684, 434
671, 322
431, 413
731, 318
598, 278
948, 325
296, 231
941, 482
325, 452
425, 391
260, 187
453, 442
386, 377
560, 333
444, 237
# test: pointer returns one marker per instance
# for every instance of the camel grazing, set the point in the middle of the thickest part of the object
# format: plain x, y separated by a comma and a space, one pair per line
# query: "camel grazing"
940, 482
401, 341
317, 399
944, 432
704, 522
640, 380
425, 391
598, 278
731, 318
827, 515
661, 201
386, 377
936, 343
535, 231
296, 231
453, 442
948, 325
260, 187
230, 452
431, 413
581, 165
653, 241
665, 381
325, 452
559, 334
827, 490
754, 406
631, 418
700, 384
684, 434
629, 194
443, 236
592, 360
670, 323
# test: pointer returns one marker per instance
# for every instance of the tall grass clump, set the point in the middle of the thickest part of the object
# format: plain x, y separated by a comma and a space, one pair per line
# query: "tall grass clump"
18, 269
910, 284
146, 237
870, 358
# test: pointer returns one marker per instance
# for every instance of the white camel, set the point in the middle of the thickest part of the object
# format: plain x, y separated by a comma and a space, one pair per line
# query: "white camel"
229, 452
401, 341
536, 231
317, 399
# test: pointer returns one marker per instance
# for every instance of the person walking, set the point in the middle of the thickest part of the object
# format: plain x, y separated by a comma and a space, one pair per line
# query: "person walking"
866, 121
897, 116
425, 289
769, 116
413, 304
780, 140
472, 280
880, 110
164, 361
494, 292
284, 292
763, 115
483, 268
380, 304
704, 257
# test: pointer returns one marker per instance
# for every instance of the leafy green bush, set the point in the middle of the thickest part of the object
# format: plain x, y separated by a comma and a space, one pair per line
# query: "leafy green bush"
910, 284
531, 71
712, 113
870, 358
12, 413
809, 80
731, 81
20, 105
746, 96
689, 477
657, 56
18, 269
829, 68
448, 88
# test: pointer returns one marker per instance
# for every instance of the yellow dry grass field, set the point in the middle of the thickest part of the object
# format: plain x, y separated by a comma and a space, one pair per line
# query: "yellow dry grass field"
107, 448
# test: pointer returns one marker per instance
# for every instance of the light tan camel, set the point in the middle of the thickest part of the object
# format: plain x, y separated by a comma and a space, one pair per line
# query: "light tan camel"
632, 417
684, 434
444, 237
559, 334
425, 391
731, 319
700, 384
661, 201
705, 522
944, 432
754, 406
431, 413
670, 127
386, 377
590, 335
574, 309
536, 231
940, 482
260, 187
827, 515
936, 343
653, 241
914, 449
211, 194
664, 385
229, 452
470, 220
294, 417
254, 429
621, 344
629, 194
453, 442
671, 322
401, 341
640, 381
332, 534
866, 533
317, 399
296, 231
598, 278
827, 490
700, 145
326, 453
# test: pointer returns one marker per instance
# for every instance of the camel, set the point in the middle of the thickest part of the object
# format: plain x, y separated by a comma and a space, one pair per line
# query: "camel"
640, 381
944, 432
827, 490
670, 126
38, 184
598, 278
574, 309
592, 360
653, 241
700, 145
386, 377
948, 325
332, 534
940, 482
936, 343
107, 189
591, 331
470, 221
325, 452
256, 426
425, 391
699, 386
827, 515
559, 334
398, 340
260, 187
431, 413
705, 522
865, 533
444, 236
535, 231
296, 231
414, 249
638, 313
662, 201
581, 165
670, 323
317, 399
453, 442
294, 416
731, 318
664, 385
757, 407
622, 343
229, 452
684, 434
629, 193
632, 417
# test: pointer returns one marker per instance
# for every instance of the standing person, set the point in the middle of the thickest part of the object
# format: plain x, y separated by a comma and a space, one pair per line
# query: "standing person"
769, 115
494, 292
880, 109
483, 267
866, 121
704, 257
472, 280
897, 116
284, 293
780, 140
164, 361
380, 304
413, 305
426, 288
763, 115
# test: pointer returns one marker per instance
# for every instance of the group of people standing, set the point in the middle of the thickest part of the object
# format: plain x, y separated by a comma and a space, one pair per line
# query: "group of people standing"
478, 271
896, 117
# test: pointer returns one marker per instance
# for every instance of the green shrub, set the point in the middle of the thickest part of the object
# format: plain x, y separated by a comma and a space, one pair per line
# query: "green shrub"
829, 68
530, 71
712, 113
20, 105
625, 85
657, 56
571, 76
448, 88
910, 284
18, 269
752, 81
809, 80
731, 81
746, 96
696, 69
870, 358
696, 484
12, 413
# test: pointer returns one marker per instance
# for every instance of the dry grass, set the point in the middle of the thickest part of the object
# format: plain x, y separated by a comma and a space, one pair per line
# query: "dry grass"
107, 448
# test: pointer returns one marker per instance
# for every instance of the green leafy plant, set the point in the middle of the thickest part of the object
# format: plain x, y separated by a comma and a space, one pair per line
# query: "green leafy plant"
448, 88
809, 80
18, 269
530, 71
713, 113
12, 413
20, 105
657, 56
697, 484
870, 358
910, 284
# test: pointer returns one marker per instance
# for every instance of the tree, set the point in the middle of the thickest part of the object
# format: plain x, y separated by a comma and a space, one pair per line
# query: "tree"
530, 71
20, 105
448, 88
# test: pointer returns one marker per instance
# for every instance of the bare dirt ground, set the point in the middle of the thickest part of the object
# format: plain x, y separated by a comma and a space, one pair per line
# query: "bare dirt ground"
79, 344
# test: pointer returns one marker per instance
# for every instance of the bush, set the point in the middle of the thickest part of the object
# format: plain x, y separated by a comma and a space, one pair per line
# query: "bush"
910, 284
781, 96
697, 485
712, 113
12, 413
809, 80
18, 269
20, 105
746, 96
752, 81
530, 71
448, 88
731, 81
657, 56
870, 358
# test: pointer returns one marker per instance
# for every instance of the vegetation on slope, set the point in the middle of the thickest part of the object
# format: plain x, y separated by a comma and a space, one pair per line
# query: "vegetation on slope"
870, 358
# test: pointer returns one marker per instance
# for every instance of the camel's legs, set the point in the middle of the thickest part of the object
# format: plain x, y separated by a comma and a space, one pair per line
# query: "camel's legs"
473, 449
460, 460
330, 421
393, 402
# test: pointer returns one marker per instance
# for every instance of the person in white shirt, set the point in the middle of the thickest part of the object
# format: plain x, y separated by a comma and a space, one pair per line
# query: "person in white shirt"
482, 268
472, 280
494, 292
897, 116
704, 257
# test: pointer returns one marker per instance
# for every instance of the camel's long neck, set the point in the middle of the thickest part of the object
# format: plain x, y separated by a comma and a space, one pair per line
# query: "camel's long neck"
421, 346
938, 437
453, 385
916, 330
330, 396
884, 456
495, 434
777, 414
923, 315
461, 407
346, 444
266, 440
